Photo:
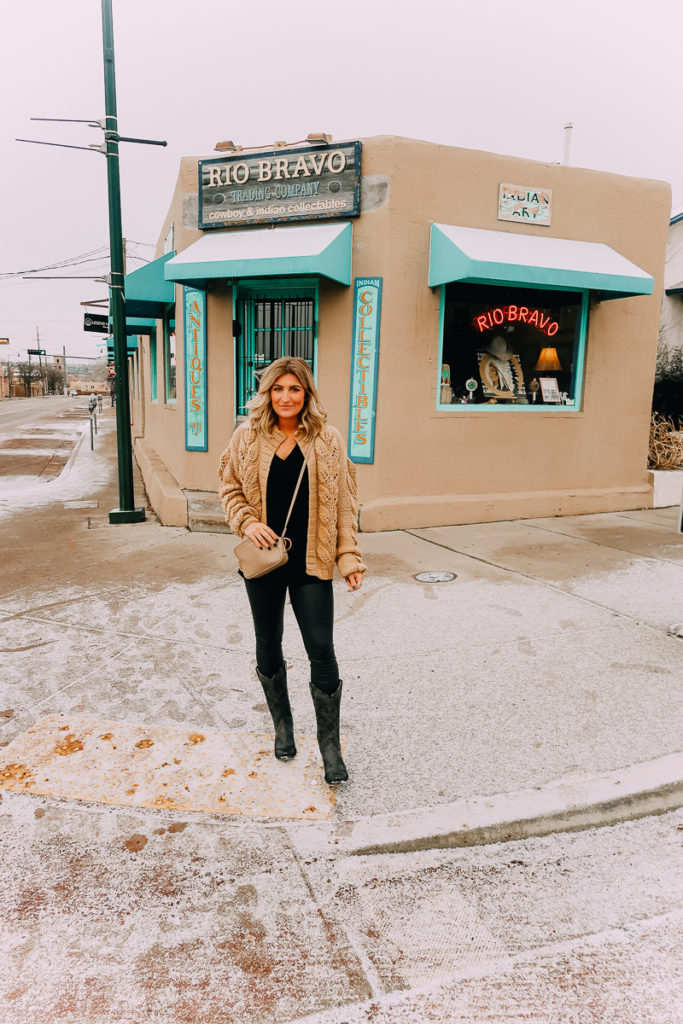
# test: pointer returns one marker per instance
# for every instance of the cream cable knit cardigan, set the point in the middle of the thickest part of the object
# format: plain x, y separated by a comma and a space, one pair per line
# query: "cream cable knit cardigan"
332, 503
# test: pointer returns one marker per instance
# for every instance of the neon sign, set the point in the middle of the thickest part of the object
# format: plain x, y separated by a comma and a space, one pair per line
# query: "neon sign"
516, 314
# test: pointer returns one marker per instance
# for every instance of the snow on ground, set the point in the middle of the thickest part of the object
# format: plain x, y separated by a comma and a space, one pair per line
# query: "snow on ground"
86, 473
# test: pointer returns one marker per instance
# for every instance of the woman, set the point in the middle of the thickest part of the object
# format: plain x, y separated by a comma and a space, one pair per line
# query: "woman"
258, 473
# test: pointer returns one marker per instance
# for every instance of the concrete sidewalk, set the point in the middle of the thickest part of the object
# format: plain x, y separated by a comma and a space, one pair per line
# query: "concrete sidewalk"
552, 660
538, 691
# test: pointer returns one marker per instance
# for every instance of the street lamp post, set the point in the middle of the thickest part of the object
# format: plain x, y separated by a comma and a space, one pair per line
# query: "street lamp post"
126, 512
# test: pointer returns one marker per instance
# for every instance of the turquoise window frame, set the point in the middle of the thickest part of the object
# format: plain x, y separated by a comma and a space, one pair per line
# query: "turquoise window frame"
272, 289
153, 367
170, 329
533, 408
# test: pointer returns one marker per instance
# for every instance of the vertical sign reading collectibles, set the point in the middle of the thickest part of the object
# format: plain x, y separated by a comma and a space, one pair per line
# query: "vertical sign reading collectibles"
367, 304
194, 305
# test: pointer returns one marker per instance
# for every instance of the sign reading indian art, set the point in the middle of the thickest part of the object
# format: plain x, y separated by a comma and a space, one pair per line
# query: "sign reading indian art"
314, 183
525, 203
367, 305
194, 307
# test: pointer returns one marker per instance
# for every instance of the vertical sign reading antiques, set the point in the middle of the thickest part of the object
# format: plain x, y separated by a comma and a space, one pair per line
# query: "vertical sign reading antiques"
194, 306
367, 304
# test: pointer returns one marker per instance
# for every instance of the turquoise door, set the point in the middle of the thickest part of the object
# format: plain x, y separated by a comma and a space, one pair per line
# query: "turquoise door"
274, 322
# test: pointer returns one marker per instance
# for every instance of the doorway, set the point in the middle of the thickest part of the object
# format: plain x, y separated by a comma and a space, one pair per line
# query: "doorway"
274, 322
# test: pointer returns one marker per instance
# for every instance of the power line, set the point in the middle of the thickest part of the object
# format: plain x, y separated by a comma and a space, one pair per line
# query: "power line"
93, 256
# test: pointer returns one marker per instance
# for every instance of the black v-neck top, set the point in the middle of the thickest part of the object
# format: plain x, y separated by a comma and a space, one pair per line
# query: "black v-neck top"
282, 478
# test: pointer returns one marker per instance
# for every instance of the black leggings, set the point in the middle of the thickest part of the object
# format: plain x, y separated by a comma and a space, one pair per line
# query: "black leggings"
313, 606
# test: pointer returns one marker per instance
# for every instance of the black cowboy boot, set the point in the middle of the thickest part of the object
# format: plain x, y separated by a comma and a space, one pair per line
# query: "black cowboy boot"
277, 698
327, 716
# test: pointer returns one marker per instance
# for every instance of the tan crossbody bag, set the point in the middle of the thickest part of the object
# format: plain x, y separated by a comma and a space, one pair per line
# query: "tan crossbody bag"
255, 561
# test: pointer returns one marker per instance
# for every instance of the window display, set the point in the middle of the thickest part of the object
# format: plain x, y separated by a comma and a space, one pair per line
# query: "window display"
504, 345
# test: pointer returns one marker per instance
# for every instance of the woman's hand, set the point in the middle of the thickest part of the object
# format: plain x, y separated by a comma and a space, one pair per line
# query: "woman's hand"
261, 535
354, 581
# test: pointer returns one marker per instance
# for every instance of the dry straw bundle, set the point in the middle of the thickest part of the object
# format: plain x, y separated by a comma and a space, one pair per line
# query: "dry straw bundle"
666, 444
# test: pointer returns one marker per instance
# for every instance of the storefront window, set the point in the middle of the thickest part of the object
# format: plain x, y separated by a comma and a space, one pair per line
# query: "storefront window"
511, 347
153, 364
170, 354
135, 373
274, 322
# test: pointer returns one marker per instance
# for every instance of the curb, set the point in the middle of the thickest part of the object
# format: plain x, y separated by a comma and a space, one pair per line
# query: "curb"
567, 805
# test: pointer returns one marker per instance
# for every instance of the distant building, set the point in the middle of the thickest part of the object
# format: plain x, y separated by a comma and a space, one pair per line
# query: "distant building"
87, 387
671, 326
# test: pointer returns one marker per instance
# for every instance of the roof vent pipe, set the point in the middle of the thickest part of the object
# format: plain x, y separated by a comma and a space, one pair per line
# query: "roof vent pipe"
567, 142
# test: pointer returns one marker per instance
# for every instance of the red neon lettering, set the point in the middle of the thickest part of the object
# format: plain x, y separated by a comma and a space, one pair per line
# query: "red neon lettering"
512, 314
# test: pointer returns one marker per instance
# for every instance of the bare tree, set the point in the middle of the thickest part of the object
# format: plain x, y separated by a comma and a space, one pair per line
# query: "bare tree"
54, 376
27, 373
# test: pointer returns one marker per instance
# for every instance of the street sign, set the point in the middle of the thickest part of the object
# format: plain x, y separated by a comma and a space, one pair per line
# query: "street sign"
35, 351
96, 322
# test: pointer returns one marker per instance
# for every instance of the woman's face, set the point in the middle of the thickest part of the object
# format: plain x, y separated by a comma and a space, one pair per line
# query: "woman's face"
287, 396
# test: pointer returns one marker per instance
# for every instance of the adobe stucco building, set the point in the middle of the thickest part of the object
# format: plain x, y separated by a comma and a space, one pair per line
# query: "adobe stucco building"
482, 329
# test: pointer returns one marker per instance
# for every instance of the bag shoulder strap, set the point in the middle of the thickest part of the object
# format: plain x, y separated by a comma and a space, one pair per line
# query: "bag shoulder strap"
296, 489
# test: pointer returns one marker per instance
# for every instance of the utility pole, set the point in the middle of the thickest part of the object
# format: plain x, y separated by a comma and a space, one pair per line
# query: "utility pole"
126, 512
40, 361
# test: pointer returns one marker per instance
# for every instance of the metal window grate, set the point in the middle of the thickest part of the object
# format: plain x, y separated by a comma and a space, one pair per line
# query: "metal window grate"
272, 327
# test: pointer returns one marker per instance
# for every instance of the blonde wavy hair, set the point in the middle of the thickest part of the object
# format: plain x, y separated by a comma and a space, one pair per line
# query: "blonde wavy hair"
262, 417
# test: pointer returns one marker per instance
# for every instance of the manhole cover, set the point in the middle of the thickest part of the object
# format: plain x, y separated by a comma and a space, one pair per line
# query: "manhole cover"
435, 576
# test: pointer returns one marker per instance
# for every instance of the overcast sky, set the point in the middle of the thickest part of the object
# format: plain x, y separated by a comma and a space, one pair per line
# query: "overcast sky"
484, 74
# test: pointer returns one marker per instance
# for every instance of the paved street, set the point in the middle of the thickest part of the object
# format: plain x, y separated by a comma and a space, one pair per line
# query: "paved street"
539, 690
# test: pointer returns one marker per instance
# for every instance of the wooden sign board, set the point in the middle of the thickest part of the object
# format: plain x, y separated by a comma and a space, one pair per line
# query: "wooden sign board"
367, 308
525, 204
313, 183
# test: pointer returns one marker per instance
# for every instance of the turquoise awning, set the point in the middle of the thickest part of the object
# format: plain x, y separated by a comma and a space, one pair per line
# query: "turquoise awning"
478, 256
131, 346
147, 290
311, 250
137, 325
